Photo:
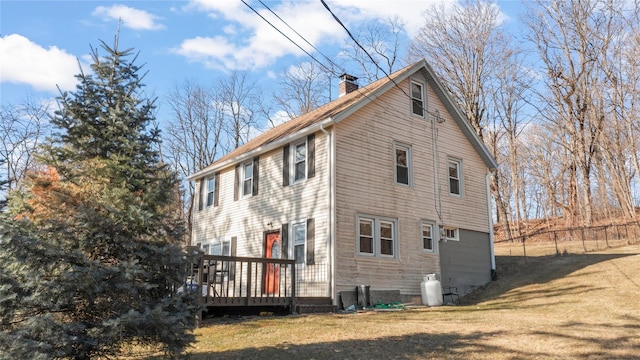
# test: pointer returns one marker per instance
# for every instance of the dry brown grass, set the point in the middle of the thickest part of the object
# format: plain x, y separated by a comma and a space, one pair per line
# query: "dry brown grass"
583, 306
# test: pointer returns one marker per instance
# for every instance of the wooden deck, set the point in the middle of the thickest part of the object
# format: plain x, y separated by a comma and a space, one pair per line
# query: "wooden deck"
232, 281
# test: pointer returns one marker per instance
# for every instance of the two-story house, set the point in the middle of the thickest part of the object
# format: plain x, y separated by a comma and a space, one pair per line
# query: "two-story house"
381, 186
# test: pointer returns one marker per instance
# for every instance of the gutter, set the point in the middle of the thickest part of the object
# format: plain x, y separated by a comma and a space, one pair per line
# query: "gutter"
330, 211
261, 149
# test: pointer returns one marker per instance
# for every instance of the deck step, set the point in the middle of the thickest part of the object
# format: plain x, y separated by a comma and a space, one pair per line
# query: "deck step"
315, 309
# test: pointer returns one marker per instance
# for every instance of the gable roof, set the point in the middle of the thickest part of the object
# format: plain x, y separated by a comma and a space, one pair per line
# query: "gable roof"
337, 110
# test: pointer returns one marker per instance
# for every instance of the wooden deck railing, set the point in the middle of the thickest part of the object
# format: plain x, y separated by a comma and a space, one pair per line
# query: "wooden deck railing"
245, 281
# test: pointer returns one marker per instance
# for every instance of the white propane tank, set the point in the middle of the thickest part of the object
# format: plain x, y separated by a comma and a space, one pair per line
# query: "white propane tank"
431, 291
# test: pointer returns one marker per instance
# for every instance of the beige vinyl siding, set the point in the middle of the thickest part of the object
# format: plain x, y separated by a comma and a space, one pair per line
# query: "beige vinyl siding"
249, 218
365, 184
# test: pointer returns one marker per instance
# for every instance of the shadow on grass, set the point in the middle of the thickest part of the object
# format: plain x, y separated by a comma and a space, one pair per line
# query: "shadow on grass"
516, 271
425, 346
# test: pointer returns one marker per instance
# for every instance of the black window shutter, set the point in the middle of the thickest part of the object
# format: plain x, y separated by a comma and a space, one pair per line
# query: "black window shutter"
285, 165
236, 185
216, 191
311, 156
234, 245
284, 239
311, 241
256, 175
200, 192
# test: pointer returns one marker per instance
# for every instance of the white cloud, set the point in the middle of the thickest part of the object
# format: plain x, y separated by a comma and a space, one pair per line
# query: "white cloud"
131, 18
247, 42
411, 12
25, 62
263, 45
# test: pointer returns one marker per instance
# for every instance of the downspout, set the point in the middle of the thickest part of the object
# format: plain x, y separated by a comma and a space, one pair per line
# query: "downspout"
487, 180
330, 217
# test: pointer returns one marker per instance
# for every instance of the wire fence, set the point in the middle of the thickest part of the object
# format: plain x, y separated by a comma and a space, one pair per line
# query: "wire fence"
577, 240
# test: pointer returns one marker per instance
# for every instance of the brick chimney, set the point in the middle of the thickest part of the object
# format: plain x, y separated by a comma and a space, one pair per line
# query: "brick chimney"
347, 84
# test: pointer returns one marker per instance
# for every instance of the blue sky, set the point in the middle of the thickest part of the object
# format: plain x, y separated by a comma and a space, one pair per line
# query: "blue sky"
41, 42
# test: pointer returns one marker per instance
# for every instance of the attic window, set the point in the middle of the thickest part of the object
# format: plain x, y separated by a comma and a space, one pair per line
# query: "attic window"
417, 98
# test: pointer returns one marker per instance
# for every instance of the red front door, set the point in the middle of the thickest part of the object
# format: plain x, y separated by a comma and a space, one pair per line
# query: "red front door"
272, 272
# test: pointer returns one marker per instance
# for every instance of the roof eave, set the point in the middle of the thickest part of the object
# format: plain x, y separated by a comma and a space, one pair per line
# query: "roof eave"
461, 120
262, 149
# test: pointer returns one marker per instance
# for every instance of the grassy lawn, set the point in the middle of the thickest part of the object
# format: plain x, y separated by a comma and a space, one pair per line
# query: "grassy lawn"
551, 307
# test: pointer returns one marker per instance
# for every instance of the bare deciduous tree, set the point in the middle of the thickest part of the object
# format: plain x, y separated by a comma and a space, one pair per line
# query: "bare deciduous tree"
465, 45
303, 87
382, 40
571, 38
240, 102
22, 129
194, 135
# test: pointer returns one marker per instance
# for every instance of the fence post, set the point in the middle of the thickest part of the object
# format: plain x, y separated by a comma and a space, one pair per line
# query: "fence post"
524, 248
555, 240
606, 237
583, 244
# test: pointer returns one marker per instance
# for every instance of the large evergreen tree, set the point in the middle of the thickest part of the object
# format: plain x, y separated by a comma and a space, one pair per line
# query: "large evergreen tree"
90, 250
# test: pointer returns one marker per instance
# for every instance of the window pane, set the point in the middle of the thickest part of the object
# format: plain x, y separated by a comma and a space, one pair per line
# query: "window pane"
299, 162
454, 177
301, 152
299, 254
402, 175
426, 231
453, 170
427, 243
216, 249
401, 157
300, 171
210, 191
454, 186
417, 100
298, 234
386, 230
246, 190
366, 236
205, 249
248, 171
417, 107
226, 248
366, 245
416, 91
366, 228
386, 238
386, 247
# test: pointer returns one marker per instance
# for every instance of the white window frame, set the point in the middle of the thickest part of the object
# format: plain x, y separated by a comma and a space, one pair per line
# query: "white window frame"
220, 242
407, 148
431, 226
458, 165
293, 241
243, 179
451, 233
377, 222
421, 100
211, 190
293, 162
